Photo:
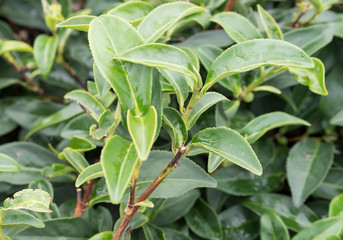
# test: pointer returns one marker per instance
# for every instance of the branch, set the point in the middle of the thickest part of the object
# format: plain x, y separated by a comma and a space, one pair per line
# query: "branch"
80, 205
73, 74
303, 11
169, 168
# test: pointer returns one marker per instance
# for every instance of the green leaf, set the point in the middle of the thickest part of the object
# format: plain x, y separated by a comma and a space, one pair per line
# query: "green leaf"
270, 26
6, 82
133, 11
153, 232
64, 114
236, 181
56, 170
89, 173
14, 46
44, 51
160, 56
218, 38
17, 217
267, 88
207, 54
118, 160
106, 124
76, 159
272, 227
328, 237
31, 158
332, 185
31, 199
91, 105
294, 218
229, 144
8, 164
317, 4
175, 234
162, 18
204, 103
80, 22
310, 39
203, 221
126, 79
308, 164
61, 228
239, 223
145, 203
101, 84
252, 54
142, 130
102, 236
176, 208
175, 126
214, 162
312, 77
239, 28
257, 127
337, 119
44, 185
81, 144
329, 226
336, 206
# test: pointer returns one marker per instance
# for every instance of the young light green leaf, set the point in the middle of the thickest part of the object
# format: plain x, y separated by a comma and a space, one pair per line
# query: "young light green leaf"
267, 88
56, 170
336, 206
76, 159
229, 144
88, 101
14, 46
44, 51
126, 79
294, 218
307, 166
103, 236
270, 26
8, 164
142, 130
145, 203
203, 221
175, 126
80, 22
239, 28
133, 11
118, 160
312, 77
64, 114
251, 54
89, 173
204, 103
44, 185
317, 5
257, 127
31, 199
328, 226
192, 56
106, 123
273, 228
214, 161
160, 56
81, 144
179, 82
162, 18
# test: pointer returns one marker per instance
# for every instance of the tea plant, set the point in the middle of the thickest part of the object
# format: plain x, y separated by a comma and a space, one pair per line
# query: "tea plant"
163, 142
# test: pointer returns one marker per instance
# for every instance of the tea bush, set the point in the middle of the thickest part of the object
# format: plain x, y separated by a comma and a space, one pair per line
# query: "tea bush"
171, 120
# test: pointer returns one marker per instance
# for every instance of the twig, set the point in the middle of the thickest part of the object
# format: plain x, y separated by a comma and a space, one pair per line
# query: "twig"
303, 11
169, 168
73, 74
80, 205
131, 203
228, 7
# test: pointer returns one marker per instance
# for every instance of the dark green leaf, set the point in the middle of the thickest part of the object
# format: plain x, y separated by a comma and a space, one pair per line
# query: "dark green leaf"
14, 218
272, 228
153, 232
8, 164
332, 185
175, 126
75, 159
89, 173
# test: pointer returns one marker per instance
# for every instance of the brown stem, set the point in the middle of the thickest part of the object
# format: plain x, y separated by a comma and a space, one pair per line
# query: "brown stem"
80, 205
228, 7
131, 203
303, 11
23, 72
73, 74
169, 168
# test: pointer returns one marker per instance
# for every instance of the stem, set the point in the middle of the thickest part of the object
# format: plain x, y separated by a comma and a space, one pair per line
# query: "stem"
131, 203
228, 7
303, 11
169, 168
22, 71
73, 74
81, 203
195, 97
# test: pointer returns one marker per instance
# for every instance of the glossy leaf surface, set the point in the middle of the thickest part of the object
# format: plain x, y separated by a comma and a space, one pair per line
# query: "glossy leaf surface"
76, 159
257, 127
239, 28
44, 51
8, 164
118, 159
158, 21
307, 166
229, 144
251, 54
203, 221
80, 22
272, 228
204, 103
89, 173
142, 130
